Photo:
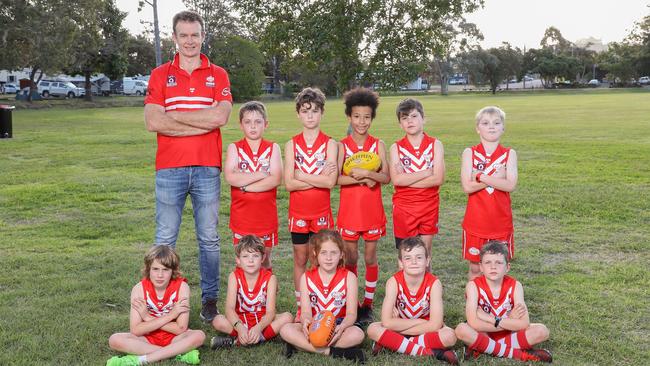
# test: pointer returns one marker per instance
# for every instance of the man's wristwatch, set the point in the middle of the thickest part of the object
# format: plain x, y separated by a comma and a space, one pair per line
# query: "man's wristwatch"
497, 320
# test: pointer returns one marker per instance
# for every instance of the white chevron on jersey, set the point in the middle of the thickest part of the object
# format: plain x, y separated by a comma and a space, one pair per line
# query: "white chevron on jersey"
500, 311
349, 152
333, 301
419, 309
490, 169
251, 165
311, 164
158, 311
424, 162
246, 303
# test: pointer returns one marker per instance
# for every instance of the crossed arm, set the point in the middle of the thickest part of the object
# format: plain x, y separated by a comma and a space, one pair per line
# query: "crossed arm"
176, 321
423, 179
391, 320
189, 123
296, 180
260, 181
362, 176
503, 180
484, 322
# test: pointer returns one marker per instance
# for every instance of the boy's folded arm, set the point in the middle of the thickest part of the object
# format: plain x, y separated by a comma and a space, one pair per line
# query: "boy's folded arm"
290, 182
466, 179
509, 183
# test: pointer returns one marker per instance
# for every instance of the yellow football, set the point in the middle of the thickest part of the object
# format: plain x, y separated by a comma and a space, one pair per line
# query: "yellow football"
362, 160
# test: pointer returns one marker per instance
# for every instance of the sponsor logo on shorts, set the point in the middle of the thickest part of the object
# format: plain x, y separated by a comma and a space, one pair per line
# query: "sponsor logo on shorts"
474, 251
349, 232
238, 236
266, 237
322, 221
301, 223
373, 231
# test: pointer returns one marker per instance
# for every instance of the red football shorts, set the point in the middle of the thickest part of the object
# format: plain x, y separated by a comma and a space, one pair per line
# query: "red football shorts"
270, 240
368, 235
160, 337
406, 224
304, 226
472, 245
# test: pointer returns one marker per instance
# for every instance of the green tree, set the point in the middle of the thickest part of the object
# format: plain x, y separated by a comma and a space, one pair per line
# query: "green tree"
141, 55
243, 60
218, 18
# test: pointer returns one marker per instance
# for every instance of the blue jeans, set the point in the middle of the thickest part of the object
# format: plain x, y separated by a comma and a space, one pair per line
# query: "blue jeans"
203, 185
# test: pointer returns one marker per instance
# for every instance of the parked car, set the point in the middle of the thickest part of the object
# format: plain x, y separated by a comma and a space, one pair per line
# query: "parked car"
457, 81
65, 89
134, 87
593, 82
644, 80
11, 88
528, 78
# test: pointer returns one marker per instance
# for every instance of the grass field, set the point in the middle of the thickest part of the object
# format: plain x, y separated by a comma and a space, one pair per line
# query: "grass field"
77, 214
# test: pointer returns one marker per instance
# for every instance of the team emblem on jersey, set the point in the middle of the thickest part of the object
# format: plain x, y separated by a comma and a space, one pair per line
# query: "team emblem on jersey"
320, 159
171, 81
299, 158
301, 223
480, 166
209, 81
406, 161
243, 165
338, 299
312, 298
265, 164
261, 299
401, 304
428, 160
424, 304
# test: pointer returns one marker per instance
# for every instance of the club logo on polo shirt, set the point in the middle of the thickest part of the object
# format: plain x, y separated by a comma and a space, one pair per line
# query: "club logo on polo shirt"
171, 81
225, 92
209, 81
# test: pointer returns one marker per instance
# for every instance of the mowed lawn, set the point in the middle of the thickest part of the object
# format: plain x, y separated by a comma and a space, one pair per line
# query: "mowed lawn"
77, 214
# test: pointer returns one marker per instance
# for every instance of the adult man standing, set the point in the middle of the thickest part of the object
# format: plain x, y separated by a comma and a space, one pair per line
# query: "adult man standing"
189, 100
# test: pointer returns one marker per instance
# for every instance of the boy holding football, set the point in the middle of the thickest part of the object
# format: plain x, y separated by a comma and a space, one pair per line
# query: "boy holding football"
361, 210
159, 315
497, 316
488, 174
250, 301
412, 311
417, 170
253, 169
310, 171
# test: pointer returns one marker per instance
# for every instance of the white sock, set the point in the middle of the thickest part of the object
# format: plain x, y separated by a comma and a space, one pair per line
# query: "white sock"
142, 359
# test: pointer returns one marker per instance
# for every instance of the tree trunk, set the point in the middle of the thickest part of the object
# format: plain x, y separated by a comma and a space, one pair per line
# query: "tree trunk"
89, 91
32, 84
277, 89
156, 32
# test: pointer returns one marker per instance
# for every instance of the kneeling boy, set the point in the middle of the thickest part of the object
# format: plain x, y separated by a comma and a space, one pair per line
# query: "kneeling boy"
412, 311
497, 317
160, 312
250, 301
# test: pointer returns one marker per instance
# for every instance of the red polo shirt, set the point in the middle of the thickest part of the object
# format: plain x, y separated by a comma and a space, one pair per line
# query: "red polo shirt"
176, 90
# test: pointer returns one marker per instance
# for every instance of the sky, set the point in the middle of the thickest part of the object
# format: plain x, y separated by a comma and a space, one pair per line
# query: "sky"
519, 22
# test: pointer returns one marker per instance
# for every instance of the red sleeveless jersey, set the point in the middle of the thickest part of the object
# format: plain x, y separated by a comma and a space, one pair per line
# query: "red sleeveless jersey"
488, 213
253, 212
499, 306
158, 307
314, 202
251, 304
415, 160
360, 207
413, 306
332, 297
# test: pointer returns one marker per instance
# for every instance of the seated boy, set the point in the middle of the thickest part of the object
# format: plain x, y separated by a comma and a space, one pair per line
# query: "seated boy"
412, 311
497, 316
160, 312
250, 301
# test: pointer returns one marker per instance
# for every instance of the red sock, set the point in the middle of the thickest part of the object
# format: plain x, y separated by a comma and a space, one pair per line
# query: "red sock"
398, 343
430, 340
372, 274
487, 345
522, 340
268, 333
352, 268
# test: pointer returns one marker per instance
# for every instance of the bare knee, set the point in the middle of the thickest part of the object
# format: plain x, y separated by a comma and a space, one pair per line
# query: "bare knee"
116, 341
538, 333
375, 330
447, 336
464, 332
197, 337
285, 317
220, 323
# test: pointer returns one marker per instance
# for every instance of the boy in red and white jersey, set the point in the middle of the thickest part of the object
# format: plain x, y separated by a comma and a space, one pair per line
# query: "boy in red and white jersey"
310, 171
488, 174
417, 170
254, 171
160, 313
412, 311
361, 210
497, 316
327, 286
250, 302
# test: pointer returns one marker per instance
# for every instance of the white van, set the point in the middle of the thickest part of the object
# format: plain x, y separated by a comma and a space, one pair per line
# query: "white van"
134, 87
